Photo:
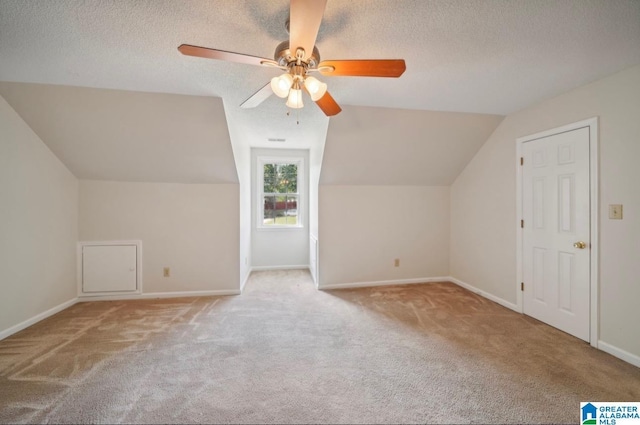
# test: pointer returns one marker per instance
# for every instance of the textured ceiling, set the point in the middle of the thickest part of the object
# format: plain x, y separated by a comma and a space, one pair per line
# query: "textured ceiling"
483, 56
478, 56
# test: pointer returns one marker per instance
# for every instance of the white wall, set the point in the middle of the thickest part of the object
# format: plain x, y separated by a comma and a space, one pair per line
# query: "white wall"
280, 247
244, 175
483, 210
316, 154
191, 228
364, 228
38, 224
315, 167
242, 158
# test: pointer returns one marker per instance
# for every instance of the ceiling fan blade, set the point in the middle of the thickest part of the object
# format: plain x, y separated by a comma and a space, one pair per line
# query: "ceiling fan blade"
205, 52
363, 68
305, 17
258, 97
328, 105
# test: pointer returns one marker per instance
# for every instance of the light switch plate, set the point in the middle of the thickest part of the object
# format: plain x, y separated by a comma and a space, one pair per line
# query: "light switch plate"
615, 211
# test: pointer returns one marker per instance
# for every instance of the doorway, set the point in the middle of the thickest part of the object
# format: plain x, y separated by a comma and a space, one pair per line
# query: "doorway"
557, 228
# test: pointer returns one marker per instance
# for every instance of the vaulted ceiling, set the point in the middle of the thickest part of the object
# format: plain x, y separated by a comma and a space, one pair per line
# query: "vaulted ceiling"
381, 146
463, 56
128, 136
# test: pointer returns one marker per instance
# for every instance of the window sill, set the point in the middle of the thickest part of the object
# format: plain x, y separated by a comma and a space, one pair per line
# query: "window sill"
278, 228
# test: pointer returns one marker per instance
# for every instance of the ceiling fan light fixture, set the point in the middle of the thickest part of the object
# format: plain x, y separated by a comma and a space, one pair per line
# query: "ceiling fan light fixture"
298, 57
315, 87
282, 84
295, 98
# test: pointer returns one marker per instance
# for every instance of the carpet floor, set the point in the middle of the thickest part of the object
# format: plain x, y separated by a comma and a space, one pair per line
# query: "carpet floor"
285, 353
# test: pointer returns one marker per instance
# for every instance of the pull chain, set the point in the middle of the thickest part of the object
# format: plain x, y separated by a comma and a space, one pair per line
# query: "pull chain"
297, 116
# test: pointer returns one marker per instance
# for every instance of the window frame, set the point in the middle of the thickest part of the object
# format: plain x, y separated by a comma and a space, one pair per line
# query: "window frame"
261, 162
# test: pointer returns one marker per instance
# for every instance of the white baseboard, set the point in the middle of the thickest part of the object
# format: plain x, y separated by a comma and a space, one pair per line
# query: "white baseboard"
35, 319
263, 268
619, 353
155, 295
458, 282
383, 283
484, 294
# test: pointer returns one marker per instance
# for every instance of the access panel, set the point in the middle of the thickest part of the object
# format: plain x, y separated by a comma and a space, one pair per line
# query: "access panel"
109, 268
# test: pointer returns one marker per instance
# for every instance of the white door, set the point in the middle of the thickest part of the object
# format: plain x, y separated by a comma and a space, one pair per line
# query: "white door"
556, 242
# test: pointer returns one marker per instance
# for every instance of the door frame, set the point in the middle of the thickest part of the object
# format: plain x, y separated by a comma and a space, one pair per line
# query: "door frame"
594, 201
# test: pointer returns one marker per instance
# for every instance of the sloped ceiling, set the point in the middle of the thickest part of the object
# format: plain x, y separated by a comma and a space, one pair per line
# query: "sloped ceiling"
471, 56
380, 146
128, 136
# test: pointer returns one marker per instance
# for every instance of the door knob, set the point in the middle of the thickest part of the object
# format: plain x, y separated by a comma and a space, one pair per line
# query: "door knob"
580, 245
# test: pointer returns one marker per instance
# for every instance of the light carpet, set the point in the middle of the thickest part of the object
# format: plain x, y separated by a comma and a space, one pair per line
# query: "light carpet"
284, 352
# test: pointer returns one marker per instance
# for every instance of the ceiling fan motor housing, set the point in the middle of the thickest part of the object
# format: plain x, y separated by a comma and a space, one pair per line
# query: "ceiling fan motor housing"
284, 56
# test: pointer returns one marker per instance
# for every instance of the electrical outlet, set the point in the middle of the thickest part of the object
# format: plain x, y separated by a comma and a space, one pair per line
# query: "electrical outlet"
396, 262
615, 211
166, 272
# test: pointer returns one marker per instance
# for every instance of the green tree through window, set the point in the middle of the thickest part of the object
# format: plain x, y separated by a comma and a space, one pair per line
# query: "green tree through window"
280, 194
280, 178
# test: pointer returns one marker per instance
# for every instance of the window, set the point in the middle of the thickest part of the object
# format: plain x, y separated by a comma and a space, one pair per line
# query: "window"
279, 185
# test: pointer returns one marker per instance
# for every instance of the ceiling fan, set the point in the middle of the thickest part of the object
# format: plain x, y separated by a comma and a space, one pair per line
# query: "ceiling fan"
299, 58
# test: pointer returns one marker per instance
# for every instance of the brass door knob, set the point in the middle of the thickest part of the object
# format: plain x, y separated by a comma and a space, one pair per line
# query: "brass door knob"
580, 245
